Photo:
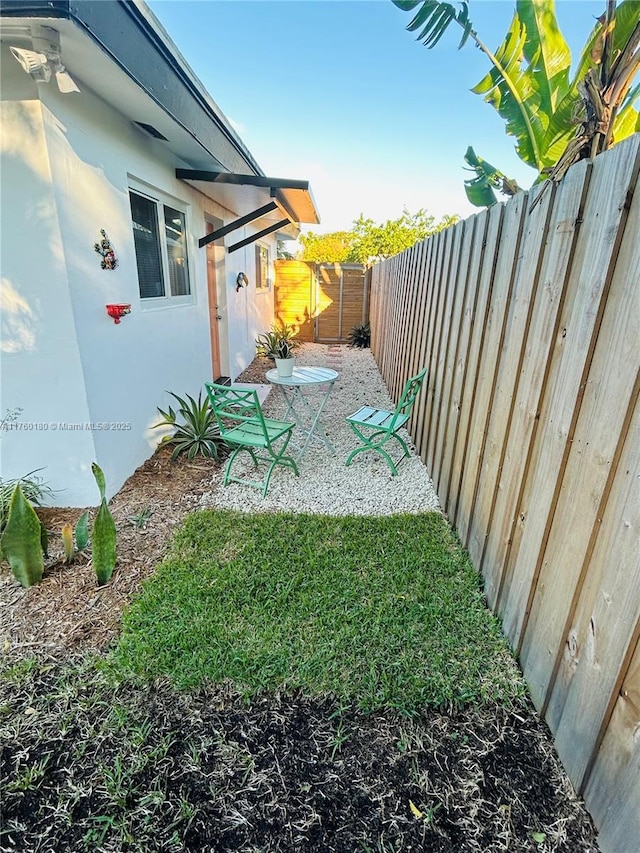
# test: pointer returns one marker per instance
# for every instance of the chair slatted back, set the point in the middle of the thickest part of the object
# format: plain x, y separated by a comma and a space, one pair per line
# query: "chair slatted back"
409, 394
234, 407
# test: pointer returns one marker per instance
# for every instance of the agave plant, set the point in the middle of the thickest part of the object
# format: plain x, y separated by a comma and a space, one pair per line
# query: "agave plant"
198, 433
360, 336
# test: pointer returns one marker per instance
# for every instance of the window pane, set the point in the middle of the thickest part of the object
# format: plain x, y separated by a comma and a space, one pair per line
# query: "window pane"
174, 227
147, 243
262, 267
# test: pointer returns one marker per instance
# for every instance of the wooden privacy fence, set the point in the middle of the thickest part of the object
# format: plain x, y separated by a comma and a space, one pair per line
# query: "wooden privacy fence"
528, 317
325, 301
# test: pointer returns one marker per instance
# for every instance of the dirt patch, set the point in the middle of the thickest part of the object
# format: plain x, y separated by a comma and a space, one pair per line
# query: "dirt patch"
205, 772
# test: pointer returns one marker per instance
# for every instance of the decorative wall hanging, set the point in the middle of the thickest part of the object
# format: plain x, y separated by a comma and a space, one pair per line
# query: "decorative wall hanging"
117, 310
241, 281
104, 248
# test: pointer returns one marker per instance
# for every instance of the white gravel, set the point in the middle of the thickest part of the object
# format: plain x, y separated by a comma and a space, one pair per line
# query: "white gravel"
325, 485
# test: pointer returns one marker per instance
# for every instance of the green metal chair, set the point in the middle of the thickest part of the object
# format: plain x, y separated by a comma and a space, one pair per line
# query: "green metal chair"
375, 427
244, 428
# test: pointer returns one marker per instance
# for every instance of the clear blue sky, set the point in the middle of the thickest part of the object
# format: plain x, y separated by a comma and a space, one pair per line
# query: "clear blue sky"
338, 93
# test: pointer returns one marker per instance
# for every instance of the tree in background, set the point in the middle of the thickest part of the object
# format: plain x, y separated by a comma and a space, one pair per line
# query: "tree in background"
331, 248
556, 119
367, 241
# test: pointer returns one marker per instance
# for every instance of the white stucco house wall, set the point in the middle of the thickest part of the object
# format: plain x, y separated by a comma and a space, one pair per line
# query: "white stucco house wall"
142, 152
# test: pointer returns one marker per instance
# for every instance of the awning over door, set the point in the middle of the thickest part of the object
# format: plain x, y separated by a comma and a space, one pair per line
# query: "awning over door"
279, 204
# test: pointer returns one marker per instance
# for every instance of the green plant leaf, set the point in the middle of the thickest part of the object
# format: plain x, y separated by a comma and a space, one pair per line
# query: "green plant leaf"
82, 531
104, 543
44, 540
99, 477
546, 51
21, 543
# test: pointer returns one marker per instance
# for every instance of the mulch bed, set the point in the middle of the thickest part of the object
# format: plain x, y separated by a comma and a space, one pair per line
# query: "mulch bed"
209, 772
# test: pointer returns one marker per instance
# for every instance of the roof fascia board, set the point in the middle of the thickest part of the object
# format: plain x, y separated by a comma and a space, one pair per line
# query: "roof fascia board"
273, 184
246, 180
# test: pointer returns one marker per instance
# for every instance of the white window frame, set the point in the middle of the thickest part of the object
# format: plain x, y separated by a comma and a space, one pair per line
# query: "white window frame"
262, 287
161, 199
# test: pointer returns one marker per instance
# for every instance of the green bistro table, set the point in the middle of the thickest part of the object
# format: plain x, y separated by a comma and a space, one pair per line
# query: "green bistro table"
300, 406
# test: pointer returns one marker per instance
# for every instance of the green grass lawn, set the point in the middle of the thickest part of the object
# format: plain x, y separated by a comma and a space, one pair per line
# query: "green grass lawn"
379, 612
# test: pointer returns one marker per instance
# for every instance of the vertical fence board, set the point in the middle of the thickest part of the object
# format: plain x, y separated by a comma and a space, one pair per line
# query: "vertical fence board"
460, 265
443, 335
460, 514
470, 262
414, 318
424, 290
405, 302
558, 253
597, 241
604, 621
603, 412
489, 364
495, 462
613, 791
407, 290
436, 261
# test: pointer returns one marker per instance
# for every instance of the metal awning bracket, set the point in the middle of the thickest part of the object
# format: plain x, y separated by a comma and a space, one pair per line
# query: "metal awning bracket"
263, 233
237, 223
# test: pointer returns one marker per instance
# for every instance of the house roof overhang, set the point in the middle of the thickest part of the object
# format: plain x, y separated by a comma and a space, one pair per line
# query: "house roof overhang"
278, 204
119, 50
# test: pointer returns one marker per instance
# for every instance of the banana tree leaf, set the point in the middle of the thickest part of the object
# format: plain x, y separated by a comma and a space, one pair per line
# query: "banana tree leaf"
406, 5
434, 18
480, 193
546, 51
627, 122
480, 190
508, 88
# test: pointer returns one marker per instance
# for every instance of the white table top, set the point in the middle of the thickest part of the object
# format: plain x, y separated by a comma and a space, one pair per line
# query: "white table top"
303, 376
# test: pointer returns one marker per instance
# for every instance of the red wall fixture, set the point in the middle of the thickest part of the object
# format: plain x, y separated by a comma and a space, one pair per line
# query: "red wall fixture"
118, 310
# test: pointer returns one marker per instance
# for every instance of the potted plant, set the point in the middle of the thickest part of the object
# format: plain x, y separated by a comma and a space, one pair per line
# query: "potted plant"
267, 344
283, 354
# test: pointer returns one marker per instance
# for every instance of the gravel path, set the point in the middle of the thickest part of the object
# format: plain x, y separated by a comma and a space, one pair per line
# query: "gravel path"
325, 485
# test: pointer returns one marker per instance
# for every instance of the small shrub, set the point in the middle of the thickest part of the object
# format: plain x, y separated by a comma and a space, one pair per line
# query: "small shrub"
360, 336
198, 434
140, 519
269, 343
34, 489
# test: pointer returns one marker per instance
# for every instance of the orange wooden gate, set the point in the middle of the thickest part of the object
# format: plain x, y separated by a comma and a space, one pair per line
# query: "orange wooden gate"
324, 301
